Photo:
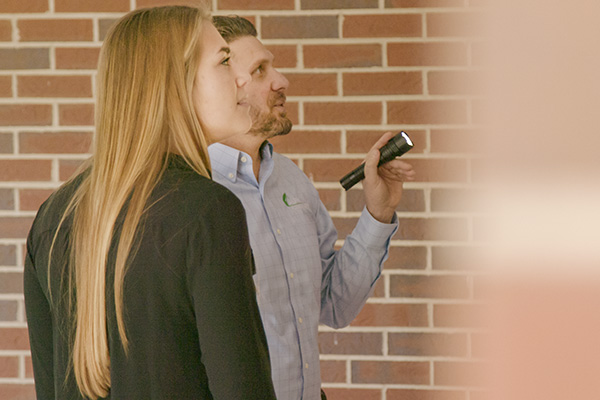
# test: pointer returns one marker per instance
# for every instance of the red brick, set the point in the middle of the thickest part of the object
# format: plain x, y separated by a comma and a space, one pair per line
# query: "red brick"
255, 5
5, 86
482, 345
398, 372
55, 142
481, 111
337, 4
427, 54
25, 114
328, 170
423, 3
425, 394
28, 367
32, 199
300, 27
344, 226
9, 367
456, 83
381, 83
390, 25
469, 374
352, 394
342, 55
77, 57
439, 170
6, 143
91, 5
105, 24
457, 315
412, 201
286, 56
407, 257
158, 3
361, 141
300, 141
331, 199
291, 108
428, 344
7, 199
66, 168
457, 140
5, 31
454, 258
480, 53
430, 287
397, 315
312, 84
348, 113
452, 200
14, 339
361, 343
481, 394
50, 30
9, 310
17, 391
26, 58
333, 371
76, 114
451, 229
25, 170
379, 289
427, 112
8, 255
14, 228
54, 86
23, 6
455, 24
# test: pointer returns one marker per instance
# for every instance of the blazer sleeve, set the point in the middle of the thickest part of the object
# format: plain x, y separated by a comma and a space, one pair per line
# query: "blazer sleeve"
230, 331
39, 322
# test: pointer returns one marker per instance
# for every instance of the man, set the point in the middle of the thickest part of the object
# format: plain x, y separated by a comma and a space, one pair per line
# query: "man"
301, 281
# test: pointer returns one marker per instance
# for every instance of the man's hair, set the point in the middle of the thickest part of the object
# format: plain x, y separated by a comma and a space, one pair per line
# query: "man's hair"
233, 27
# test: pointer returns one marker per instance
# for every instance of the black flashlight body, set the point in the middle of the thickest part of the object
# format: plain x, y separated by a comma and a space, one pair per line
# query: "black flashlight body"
395, 147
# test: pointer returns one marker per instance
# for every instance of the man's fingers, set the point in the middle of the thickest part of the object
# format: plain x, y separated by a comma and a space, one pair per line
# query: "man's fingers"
399, 169
383, 140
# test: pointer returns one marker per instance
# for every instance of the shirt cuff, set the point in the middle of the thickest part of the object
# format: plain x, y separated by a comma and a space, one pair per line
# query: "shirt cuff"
373, 233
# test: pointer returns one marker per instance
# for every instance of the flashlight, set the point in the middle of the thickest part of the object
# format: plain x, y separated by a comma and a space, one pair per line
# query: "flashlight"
395, 147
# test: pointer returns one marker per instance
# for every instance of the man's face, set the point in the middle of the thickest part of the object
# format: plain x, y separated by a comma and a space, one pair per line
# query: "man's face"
265, 89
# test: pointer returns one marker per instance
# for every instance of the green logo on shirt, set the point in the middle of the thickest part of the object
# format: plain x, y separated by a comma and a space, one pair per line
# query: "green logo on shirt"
285, 201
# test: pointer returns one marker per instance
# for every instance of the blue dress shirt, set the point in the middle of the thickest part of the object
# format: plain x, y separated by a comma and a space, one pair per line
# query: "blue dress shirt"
301, 280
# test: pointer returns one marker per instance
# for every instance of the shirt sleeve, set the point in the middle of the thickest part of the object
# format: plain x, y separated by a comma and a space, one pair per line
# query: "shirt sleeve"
350, 273
39, 321
232, 339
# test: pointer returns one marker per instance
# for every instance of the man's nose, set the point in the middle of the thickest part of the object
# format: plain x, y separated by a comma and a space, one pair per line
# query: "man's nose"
280, 82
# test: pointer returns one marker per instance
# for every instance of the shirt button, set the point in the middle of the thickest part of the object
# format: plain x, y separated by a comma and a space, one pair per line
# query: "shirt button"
300, 319
244, 159
279, 231
230, 175
292, 275
306, 365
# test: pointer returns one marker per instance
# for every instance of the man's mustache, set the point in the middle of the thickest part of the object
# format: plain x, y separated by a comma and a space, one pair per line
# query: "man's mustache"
277, 99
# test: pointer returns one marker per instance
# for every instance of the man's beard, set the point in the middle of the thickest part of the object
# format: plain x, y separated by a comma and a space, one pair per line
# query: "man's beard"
270, 123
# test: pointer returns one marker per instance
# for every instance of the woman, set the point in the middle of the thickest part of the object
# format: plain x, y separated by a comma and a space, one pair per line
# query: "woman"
138, 271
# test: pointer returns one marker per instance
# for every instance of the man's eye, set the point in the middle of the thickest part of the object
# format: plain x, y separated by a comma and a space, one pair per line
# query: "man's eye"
259, 70
226, 61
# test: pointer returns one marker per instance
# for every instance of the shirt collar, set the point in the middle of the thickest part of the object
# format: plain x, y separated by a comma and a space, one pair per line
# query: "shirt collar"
233, 164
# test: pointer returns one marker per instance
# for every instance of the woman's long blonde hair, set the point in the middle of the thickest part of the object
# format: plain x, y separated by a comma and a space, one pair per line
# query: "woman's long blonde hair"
144, 110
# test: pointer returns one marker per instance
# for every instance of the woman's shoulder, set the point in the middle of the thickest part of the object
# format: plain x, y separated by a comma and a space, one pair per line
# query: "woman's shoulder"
190, 196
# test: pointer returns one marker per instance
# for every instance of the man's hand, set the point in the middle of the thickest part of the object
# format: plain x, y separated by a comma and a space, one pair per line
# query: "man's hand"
383, 185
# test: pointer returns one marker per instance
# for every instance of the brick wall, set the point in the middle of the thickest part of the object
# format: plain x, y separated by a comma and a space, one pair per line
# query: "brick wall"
356, 68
